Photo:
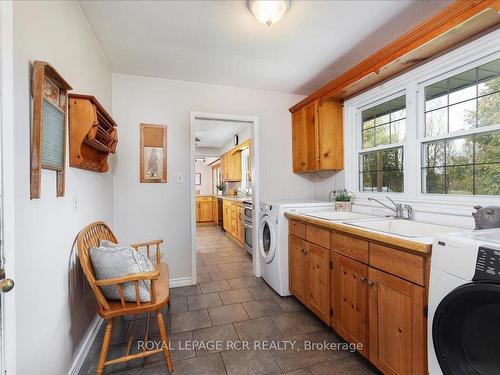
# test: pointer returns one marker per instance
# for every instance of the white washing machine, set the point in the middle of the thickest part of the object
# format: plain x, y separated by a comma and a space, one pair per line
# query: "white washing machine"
273, 238
464, 304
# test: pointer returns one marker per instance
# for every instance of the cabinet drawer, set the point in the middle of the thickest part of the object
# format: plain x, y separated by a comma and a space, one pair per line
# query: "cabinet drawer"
204, 199
297, 229
319, 236
351, 247
405, 265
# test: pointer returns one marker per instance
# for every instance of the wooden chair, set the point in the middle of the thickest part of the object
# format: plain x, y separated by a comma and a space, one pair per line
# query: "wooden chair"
111, 309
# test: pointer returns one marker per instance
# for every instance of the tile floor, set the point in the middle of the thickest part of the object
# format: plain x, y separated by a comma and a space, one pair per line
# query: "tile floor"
230, 306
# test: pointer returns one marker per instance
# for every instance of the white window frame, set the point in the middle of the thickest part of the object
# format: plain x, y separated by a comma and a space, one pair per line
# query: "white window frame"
468, 56
359, 138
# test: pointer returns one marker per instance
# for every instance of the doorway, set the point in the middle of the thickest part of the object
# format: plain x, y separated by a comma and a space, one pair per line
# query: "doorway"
7, 233
234, 173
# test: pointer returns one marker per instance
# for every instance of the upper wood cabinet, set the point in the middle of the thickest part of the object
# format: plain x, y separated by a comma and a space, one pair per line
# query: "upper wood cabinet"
317, 137
397, 324
231, 166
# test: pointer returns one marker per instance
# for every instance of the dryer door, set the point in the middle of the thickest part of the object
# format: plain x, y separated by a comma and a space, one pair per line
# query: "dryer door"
465, 330
267, 238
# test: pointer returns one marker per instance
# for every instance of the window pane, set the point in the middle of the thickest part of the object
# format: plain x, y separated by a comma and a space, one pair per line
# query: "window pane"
385, 119
488, 76
459, 151
436, 95
464, 101
382, 135
368, 139
487, 148
392, 159
392, 181
436, 122
489, 86
398, 131
433, 180
434, 154
368, 181
488, 179
462, 116
382, 119
471, 165
462, 87
398, 114
382, 170
489, 110
459, 180
369, 162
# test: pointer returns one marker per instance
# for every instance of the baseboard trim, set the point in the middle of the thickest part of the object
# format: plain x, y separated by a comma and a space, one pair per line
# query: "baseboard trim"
90, 336
180, 281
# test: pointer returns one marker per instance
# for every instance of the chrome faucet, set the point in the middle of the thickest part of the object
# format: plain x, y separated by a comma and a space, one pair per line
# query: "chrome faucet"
398, 209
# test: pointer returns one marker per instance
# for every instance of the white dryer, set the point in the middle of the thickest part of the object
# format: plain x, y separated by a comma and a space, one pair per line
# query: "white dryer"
464, 304
273, 239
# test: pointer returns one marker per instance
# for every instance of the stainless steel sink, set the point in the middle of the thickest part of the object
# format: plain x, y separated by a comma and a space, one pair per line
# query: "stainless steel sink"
404, 228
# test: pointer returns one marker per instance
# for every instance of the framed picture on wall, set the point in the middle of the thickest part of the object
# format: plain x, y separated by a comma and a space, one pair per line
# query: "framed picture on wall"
153, 151
197, 178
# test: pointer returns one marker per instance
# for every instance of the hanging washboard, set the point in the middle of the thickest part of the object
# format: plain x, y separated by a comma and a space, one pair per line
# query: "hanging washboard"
48, 134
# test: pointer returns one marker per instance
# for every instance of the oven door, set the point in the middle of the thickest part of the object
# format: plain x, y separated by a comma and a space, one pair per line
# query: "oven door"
247, 236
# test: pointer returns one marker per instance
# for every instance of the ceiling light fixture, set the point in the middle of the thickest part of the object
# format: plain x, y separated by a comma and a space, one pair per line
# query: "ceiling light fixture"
268, 11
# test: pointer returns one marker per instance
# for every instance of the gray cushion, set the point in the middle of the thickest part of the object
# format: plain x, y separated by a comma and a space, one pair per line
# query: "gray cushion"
113, 260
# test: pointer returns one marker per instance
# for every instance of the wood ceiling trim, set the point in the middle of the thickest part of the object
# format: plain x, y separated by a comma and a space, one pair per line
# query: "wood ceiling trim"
427, 37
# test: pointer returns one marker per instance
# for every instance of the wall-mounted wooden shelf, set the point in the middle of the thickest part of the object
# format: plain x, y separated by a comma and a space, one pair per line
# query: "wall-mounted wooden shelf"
92, 134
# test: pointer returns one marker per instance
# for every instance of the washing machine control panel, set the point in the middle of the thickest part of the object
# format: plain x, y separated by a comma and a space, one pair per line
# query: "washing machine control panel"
487, 264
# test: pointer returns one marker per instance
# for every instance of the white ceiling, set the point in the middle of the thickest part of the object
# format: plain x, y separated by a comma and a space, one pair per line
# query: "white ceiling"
214, 133
220, 42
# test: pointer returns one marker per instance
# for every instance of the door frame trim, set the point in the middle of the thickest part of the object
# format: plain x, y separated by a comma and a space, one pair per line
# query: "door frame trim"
254, 122
7, 182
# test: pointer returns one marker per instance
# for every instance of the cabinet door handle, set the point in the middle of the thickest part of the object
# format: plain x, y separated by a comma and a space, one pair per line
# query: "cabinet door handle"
370, 283
363, 279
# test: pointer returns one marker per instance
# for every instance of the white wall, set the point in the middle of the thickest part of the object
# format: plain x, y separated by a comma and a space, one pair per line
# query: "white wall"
206, 178
146, 211
52, 316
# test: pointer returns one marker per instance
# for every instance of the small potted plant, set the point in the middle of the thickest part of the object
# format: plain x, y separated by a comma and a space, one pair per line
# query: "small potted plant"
343, 200
220, 188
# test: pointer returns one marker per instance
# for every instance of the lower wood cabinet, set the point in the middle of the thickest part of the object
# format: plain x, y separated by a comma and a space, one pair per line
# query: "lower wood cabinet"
377, 294
397, 324
310, 276
318, 281
297, 268
203, 209
350, 300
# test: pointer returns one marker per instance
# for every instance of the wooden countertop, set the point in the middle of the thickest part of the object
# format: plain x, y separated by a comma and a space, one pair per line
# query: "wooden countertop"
413, 245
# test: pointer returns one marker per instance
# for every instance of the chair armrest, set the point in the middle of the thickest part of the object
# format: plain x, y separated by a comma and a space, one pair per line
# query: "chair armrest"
151, 275
147, 243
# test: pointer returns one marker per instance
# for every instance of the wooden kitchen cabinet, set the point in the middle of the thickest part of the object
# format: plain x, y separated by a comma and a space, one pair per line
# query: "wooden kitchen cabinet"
350, 300
297, 268
318, 281
317, 137
226, 207
215, 211
231, 166
309, 278
397, 324
203, 209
